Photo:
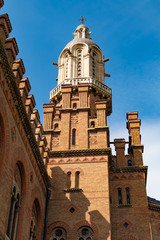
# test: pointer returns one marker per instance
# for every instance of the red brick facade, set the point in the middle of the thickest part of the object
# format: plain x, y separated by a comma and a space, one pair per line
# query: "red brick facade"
60, 180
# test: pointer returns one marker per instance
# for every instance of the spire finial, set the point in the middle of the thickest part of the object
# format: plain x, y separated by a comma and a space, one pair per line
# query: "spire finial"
82, 19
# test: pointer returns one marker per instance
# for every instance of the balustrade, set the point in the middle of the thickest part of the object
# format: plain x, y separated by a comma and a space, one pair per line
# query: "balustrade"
77, 81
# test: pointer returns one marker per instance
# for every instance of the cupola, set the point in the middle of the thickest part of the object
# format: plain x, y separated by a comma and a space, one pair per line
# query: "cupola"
81, 62
81, 58
82, 31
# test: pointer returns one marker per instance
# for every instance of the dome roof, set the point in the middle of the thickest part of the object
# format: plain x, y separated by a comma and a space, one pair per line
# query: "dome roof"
81, 26
87, 41
81, 36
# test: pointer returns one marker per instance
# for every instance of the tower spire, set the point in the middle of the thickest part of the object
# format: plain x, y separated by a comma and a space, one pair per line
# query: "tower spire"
82, 19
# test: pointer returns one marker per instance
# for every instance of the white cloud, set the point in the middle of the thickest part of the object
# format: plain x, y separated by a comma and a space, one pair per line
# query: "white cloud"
150, 132
151, 139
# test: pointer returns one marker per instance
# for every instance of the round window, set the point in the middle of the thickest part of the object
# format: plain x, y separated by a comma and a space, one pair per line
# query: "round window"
85, 233
59, 232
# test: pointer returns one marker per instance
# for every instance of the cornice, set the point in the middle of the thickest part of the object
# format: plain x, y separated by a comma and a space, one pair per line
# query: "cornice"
73, 110
154, 207
129, 169
83, 152
73, 190
50, 131
16, 98
140, 146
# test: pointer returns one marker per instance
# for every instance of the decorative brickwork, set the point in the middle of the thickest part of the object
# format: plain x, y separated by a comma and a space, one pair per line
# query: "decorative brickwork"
60, 180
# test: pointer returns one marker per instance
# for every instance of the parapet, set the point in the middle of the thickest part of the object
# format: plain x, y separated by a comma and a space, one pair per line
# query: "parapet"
135, 148
5, 27
12, 72
11, 49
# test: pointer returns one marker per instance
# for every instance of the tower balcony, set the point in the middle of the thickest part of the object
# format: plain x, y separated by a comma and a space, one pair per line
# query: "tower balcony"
105, 90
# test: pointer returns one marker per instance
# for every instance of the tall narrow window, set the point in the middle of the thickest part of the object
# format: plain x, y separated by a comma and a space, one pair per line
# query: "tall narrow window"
119, 195
80, 33
15, 217
14, 204
77, 179
85, 33
128, 195
129, 162
56, 126
79, 63
74, 137
11, 210
68, 180
92, 124
74, 105
93, 64
67, 66
34, 221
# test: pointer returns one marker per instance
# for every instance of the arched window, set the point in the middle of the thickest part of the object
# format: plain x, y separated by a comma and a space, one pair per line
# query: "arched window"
119, 196
58, 234
79, 63
74, 105
128, 195
14, 204
85, 233
129, 162
92, 124
77, 179
68, 180
34, 221
67, 59
56, 126
85, 33
93, 64
80, 33
74, 137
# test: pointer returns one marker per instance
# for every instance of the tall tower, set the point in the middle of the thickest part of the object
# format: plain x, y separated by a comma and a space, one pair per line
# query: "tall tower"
76, 129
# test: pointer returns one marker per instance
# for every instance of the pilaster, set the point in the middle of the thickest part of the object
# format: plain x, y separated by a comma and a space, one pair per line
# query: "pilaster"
48, 110
120, 152
83, 95
133, 126
66, 96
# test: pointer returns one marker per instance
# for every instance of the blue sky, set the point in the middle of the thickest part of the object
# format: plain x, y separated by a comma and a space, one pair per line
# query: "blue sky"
127, 32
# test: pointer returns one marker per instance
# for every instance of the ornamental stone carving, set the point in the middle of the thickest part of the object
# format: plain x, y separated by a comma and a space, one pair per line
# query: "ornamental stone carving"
93, 139
74, 119
55, 142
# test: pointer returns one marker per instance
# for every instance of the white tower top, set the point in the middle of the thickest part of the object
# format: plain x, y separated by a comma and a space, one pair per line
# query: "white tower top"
81, 58
81, 61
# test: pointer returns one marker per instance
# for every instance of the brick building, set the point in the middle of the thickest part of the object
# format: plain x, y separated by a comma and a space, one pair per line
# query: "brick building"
60, 180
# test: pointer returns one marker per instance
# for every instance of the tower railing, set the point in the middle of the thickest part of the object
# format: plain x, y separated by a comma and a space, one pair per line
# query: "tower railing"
77, 81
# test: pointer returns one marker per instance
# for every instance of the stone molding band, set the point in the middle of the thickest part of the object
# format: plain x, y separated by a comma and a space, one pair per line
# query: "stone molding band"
85, 152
